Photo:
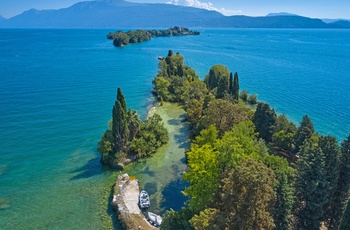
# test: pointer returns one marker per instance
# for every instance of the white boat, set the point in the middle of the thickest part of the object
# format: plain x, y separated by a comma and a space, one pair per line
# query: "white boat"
154, 219
144, 199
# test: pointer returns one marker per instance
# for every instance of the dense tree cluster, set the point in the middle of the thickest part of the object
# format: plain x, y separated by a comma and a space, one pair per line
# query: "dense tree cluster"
252, 169
215, 100
121, 38
128, 135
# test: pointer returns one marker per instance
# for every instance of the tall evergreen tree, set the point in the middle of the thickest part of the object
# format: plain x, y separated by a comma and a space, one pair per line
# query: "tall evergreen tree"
121, 99
180, 70
284, 203
120, 129
345, 222
311, 187
231, 83
284, 189
343, 187
332, 153
235, 87
223, 87
304, 132
264, 120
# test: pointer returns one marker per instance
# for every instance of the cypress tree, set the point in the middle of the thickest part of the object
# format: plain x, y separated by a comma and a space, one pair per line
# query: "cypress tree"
235, 87
231, 83
120, 128
121, 99
123, 137
211, 80
115, 124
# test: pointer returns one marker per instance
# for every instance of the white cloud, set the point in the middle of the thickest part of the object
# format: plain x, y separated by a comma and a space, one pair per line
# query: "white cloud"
203, 5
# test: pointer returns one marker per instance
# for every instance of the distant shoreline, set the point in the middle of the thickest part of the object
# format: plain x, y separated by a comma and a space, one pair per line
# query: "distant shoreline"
121, 38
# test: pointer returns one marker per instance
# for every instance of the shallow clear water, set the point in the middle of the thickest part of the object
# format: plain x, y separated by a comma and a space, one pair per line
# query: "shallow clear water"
58, 87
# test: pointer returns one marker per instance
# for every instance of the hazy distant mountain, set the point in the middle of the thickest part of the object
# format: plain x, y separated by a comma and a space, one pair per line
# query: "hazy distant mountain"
330, 20
122, 14
115, 13
280, 14
2, 18
341, 23
273, 22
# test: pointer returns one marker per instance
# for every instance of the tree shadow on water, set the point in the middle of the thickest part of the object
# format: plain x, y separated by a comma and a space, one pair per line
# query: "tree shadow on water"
111, 213
151, 188
174, 122
172, 195
92, 168
148, 172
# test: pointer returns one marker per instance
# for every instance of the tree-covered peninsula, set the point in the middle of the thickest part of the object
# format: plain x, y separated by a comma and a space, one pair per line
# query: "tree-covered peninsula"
251, 168
128, 137
248, 167
121, 38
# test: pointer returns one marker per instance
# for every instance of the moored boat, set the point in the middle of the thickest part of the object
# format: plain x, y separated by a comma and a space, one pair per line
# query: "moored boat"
144, 199
154, 219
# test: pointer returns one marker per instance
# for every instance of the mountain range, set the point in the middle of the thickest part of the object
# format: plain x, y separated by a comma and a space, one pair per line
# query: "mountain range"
123, 14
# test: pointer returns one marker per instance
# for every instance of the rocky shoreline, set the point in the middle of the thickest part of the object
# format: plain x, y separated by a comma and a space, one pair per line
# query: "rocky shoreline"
125, 203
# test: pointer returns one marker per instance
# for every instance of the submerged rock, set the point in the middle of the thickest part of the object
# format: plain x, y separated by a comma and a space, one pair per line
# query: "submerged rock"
4, 204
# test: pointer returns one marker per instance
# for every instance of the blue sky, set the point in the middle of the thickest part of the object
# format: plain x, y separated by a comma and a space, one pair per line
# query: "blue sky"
310, 8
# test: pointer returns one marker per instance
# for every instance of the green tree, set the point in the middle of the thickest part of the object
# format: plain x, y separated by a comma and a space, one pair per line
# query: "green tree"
304, 132
311, 187
343, 187
284, 189
264, 120
223, 87
224, 115
120, 129
134, 124
121, 99
194, 111
252, 99
194, 90
212, 80
284, 203
105, 146
283, 134
331, 150
245, 198
244, 95
177, 220
203, 175
238, 144
151, 136
206, 220
207, 136
162, 87
345, 222
235, 87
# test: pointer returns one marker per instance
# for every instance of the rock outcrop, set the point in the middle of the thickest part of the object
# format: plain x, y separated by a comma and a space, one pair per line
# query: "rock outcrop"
125, 204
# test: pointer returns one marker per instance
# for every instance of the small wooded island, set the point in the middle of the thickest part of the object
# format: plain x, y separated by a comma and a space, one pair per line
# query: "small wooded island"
247, 168
121, 38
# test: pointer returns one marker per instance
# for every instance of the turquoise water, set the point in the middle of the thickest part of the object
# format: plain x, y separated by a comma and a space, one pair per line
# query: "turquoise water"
58, 87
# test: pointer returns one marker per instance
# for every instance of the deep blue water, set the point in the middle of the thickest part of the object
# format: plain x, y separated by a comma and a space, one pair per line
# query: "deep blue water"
58, 87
